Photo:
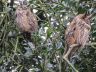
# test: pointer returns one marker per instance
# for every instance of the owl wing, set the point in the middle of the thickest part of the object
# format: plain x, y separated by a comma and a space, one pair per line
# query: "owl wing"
69, 33
32, 20
69, 36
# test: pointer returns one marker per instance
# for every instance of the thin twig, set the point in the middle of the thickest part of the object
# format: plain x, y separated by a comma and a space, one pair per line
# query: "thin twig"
89, 44
70, 64
3, 19
16, 45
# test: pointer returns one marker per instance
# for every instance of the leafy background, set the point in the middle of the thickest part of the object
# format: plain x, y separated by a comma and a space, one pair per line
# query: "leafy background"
44, 53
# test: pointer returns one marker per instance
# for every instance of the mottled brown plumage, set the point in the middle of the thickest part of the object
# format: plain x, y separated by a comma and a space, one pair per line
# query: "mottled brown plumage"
25, 19
77, 34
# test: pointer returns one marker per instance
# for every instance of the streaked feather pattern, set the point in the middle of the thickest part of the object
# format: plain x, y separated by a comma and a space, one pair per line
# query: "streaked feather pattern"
77, 33
26, 20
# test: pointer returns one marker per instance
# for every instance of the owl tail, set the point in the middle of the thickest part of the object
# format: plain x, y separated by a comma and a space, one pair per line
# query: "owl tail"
27, 36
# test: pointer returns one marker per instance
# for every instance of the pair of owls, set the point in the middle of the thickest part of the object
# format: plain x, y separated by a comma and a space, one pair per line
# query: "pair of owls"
76, 33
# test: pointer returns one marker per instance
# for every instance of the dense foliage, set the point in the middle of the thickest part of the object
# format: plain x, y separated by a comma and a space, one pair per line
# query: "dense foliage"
44, 53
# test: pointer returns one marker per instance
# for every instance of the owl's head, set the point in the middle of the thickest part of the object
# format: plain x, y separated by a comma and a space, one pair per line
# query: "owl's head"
22, 2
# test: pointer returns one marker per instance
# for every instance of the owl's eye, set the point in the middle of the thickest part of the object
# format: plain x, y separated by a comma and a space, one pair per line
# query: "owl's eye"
74, 29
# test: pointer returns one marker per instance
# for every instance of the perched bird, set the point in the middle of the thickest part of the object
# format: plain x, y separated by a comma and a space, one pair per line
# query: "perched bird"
77, 34
25, 19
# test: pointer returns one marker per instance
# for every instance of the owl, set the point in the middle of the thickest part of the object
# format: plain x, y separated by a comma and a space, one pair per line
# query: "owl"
77, 34
26, 20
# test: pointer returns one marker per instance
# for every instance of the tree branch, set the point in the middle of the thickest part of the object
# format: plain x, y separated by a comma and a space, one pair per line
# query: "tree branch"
70, 64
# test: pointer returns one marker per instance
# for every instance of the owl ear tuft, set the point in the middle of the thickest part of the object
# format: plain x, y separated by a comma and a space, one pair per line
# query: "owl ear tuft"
91, 15
81, 16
